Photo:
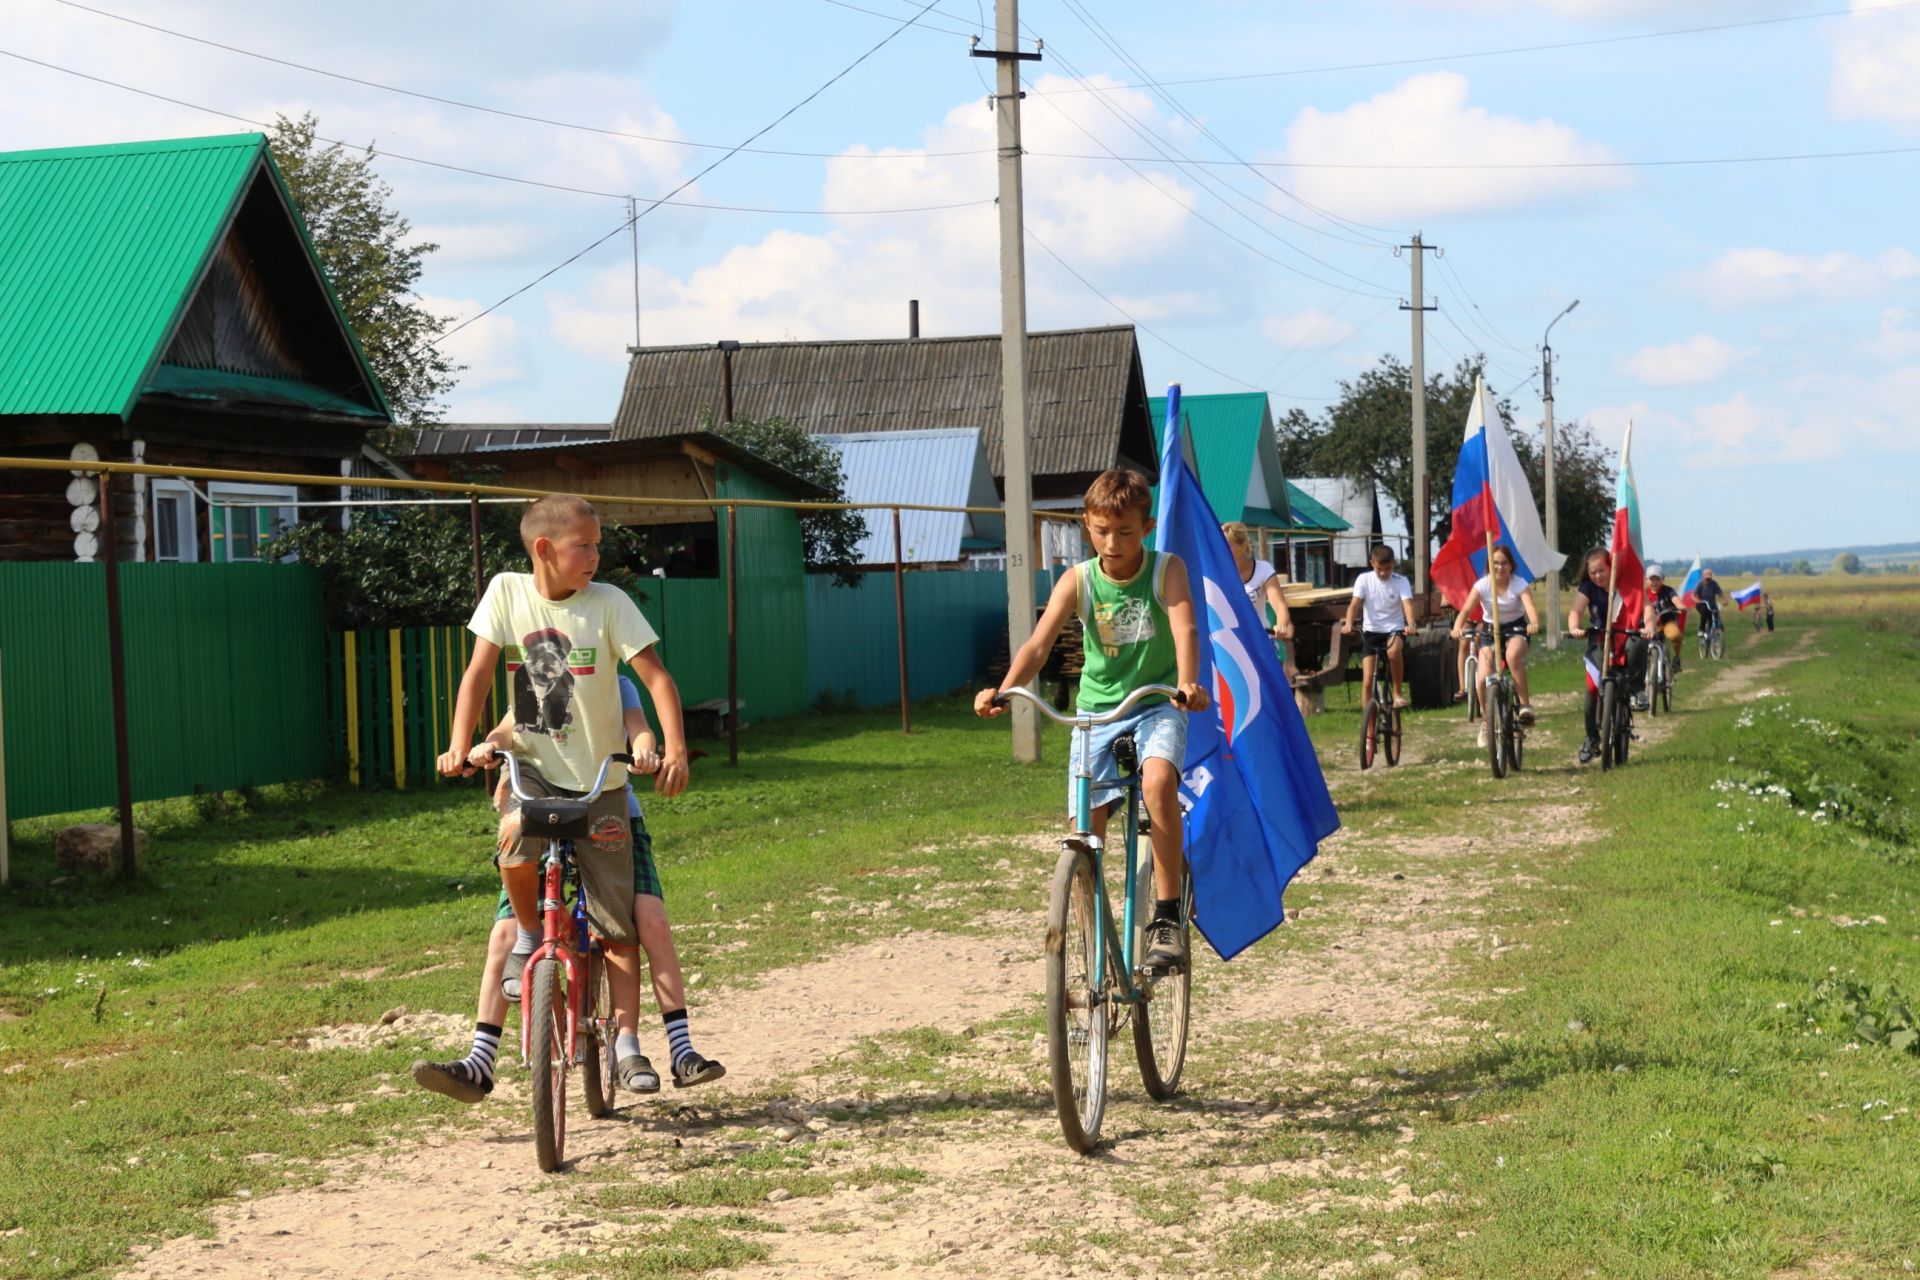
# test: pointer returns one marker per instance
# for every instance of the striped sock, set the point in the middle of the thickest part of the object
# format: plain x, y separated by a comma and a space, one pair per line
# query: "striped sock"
679, 1039
478, 1065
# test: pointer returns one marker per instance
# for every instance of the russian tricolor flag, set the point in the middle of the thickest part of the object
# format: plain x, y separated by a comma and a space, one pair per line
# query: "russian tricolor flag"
1747, 595
1490, 494
1690, 587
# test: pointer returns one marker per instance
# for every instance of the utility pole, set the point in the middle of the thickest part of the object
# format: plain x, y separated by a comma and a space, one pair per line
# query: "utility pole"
1419, 521
1552, 494
633, 228
1013, 357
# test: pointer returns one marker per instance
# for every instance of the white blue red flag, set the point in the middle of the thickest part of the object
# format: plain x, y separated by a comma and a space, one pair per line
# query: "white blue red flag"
1690, 587
1629, 564
1747, 595
1490, 493
1256, 802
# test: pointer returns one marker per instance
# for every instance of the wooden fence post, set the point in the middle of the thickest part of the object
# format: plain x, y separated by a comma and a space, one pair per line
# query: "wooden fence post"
733, 638
397, 692
350, 645
117, 666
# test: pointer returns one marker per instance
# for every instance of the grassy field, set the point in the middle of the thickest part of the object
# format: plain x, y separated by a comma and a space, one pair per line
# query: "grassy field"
1694, 1048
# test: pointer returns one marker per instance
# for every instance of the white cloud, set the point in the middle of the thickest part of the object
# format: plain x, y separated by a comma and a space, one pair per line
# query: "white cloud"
1876, 64
1427, 120
1760, 277
1310, 330
1701, 358
853, 278
491, 348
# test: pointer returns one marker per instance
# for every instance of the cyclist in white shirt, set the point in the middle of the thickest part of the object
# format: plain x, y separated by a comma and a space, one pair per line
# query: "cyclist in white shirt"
1387, 599
1519, 619
1263, 589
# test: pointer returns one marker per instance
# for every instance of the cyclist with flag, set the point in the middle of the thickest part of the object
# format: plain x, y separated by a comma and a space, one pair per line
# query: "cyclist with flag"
1613, 599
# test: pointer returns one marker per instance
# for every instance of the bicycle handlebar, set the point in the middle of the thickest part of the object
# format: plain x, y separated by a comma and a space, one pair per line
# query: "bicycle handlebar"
599, 781
1084, 720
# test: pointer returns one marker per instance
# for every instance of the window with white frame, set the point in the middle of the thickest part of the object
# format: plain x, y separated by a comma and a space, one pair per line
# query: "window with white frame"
175, 535
246, 515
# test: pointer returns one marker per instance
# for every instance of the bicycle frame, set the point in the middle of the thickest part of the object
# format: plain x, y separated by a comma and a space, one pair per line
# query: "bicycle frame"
1105, 943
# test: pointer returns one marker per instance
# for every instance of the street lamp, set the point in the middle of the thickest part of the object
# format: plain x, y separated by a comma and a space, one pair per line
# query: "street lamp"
1552, 495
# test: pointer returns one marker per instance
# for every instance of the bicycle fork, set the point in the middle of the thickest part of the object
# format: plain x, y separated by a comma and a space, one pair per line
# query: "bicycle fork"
553, 945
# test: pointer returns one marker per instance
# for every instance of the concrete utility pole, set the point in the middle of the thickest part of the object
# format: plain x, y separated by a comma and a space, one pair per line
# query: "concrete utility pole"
1419, 521
1552, 494
1013, 357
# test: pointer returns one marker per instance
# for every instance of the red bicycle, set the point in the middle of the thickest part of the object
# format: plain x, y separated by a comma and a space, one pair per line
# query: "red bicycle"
566, 1008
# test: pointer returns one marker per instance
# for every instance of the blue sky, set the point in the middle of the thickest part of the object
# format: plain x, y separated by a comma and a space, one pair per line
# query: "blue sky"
1754, 320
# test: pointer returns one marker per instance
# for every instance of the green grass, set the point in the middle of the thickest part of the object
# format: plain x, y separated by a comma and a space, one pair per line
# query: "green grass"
147, 1031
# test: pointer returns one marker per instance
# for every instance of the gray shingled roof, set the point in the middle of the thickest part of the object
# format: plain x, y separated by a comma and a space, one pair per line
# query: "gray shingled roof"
1087, 395
470, 437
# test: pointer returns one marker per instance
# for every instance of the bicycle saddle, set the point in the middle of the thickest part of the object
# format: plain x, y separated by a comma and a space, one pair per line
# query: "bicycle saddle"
1126, 754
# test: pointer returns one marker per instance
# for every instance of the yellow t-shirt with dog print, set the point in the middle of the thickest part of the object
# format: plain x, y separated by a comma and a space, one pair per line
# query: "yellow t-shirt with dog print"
563, 659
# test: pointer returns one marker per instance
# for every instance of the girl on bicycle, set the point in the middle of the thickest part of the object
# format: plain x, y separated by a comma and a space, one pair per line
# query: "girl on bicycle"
1263, 588
1519, 619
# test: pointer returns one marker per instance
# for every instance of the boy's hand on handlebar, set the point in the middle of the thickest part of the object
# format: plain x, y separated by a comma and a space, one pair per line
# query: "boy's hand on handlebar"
1346, 626
483, 756
670, 779
986, 703
645, 762
453, 763
1195, 697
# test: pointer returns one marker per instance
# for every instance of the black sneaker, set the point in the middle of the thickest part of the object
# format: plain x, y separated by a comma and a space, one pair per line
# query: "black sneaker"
690, 1069
1588, 750
453, 1079
1639, 702
637, 1075
1166, 947
510, 976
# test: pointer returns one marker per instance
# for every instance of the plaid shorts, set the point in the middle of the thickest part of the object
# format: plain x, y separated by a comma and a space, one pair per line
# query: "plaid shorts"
646, 876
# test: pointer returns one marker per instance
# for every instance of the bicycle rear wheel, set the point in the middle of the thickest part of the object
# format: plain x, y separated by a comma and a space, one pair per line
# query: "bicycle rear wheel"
1623, 732
1160, 1023
1369, 732
597, 1038
1076, 1023
1390, 731
547, 1063
1516, 736
1666, 692
1656, 674
1496, 728
1609, 717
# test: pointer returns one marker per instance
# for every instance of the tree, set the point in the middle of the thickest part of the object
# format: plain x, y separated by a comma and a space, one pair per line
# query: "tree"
1802, 568
831, 537
1367, 436
363, 246
1846, 562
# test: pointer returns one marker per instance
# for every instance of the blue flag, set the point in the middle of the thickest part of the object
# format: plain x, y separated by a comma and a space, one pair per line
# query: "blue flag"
1256, 802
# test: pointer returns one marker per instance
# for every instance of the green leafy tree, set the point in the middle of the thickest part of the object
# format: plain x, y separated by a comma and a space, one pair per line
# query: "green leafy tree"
364, 246
831, 538
1802, 568
1367, 435
1846, 562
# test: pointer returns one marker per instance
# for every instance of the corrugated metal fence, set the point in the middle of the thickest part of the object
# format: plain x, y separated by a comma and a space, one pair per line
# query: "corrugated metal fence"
234, 679
223, 673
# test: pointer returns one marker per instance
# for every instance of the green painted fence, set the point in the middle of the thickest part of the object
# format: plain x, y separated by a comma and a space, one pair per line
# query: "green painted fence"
224, 680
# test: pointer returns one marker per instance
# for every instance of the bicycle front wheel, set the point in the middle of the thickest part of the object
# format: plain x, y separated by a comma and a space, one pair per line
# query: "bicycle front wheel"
1719, 644
1076, 1017
1656, 674
1609, 718
1369, 732
597, 1039
1160, 1022
547, 1063
1516, 737
1390, 731
1497, 728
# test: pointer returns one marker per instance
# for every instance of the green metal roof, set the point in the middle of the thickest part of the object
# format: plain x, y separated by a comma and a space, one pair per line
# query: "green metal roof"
1224, 431
1310, 516
101, 249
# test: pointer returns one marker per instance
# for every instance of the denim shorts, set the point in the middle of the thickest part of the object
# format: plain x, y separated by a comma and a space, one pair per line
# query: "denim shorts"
1160, 733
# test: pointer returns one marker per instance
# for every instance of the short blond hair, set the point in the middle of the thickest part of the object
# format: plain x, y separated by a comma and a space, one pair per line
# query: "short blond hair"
1238, 534
552, 516
1116, 492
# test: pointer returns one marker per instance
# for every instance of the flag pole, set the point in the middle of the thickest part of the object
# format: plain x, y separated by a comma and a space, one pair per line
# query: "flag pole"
1613, 569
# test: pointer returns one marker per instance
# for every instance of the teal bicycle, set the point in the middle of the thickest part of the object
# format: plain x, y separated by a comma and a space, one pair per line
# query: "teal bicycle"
1096, 984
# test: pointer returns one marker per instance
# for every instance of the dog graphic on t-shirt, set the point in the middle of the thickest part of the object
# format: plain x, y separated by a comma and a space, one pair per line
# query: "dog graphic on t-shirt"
543, 686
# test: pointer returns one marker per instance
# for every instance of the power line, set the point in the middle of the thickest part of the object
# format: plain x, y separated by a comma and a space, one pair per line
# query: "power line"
1106, 37
549, 121
718, 161
1429, 59
1536, 164
1479, 316
484, 173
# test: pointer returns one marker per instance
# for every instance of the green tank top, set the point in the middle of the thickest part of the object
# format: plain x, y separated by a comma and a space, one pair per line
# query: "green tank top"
1127, 638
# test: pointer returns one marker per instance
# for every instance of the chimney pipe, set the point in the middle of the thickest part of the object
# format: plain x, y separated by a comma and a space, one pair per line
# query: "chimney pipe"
913, 317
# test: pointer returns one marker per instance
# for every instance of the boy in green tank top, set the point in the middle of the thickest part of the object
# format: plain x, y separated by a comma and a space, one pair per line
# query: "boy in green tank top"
1138, 614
